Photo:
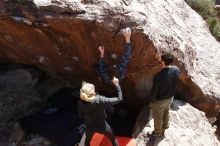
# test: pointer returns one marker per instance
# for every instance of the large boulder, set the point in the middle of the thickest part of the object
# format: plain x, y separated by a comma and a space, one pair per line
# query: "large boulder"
62, 36
188, 127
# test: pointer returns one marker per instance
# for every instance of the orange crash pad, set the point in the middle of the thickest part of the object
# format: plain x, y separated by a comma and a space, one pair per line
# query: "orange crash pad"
101, 140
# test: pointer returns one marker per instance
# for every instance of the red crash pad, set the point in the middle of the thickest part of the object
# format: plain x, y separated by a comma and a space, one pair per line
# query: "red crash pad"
101, 140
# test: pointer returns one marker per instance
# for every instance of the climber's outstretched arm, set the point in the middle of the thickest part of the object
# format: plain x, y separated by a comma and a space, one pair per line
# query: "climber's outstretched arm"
103, 68
122, 66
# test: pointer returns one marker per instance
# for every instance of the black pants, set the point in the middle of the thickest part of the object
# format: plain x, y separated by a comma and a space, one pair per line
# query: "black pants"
103, 129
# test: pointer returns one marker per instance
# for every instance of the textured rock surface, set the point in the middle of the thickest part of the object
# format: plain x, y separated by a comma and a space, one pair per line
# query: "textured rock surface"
20, 90
188, 127
62, 37
23, 90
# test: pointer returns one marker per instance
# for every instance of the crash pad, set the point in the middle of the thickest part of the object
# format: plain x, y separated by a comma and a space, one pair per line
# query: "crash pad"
58, 121
101, 140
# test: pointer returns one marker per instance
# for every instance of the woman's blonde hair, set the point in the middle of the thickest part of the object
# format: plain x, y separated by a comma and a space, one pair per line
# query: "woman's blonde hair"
87, 92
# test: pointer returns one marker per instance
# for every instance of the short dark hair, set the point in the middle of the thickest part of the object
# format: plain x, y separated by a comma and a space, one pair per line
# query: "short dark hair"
167, 58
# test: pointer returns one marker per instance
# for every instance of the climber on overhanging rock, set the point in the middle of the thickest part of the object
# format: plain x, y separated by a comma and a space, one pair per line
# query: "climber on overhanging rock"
91, 108
162, 93
102, 69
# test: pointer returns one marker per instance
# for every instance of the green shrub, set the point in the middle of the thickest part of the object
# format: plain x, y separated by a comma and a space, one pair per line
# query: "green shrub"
206, 9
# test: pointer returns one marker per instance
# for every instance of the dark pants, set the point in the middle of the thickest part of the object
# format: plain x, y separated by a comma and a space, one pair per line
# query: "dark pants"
121, 67
103, 129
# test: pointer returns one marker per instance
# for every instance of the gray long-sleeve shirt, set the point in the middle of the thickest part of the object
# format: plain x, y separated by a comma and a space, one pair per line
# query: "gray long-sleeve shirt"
93, 112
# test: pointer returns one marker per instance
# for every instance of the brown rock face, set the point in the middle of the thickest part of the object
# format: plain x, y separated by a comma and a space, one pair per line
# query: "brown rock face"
62, 37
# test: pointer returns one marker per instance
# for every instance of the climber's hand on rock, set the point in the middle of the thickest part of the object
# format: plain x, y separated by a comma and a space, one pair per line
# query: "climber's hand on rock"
102, 51
127, 34
115, 81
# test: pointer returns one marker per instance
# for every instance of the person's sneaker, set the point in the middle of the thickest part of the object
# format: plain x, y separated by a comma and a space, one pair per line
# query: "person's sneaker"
156, 134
